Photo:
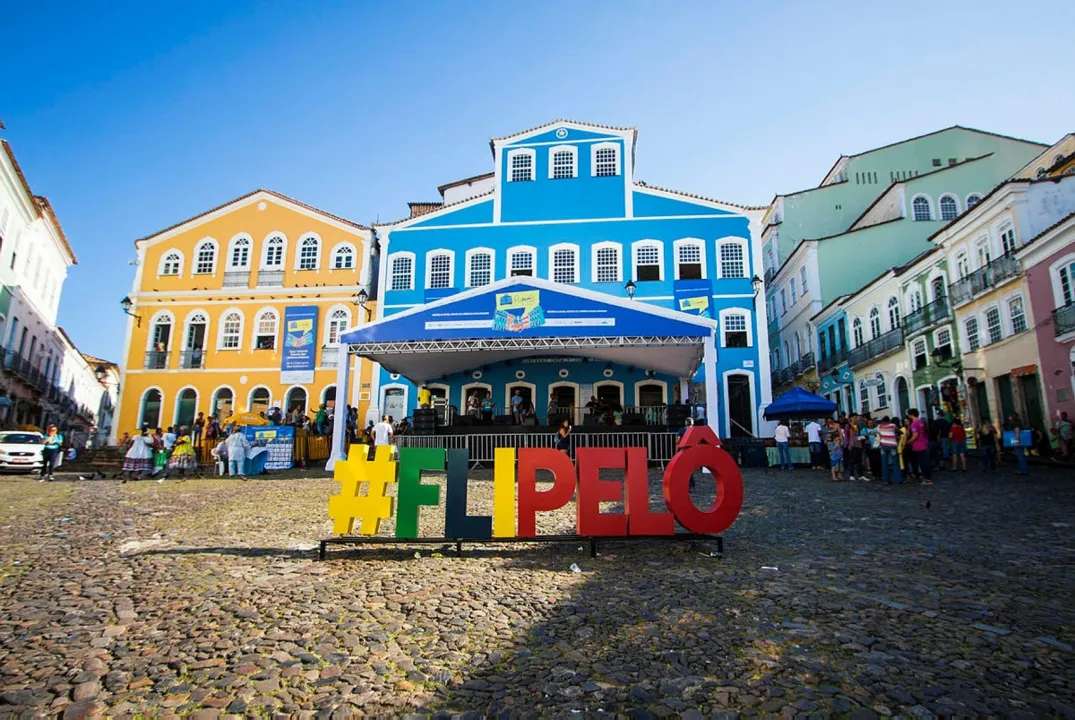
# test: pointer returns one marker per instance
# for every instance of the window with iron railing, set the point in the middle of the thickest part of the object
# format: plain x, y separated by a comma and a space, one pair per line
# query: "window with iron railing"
985, 278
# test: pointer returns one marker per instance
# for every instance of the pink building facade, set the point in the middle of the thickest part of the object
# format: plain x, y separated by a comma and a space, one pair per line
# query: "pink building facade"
1049, 262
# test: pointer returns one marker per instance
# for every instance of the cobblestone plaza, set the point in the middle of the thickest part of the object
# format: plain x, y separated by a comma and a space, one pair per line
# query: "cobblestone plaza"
205, 598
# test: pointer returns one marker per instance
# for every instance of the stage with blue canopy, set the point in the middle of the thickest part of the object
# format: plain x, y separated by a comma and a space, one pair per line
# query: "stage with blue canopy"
799, 403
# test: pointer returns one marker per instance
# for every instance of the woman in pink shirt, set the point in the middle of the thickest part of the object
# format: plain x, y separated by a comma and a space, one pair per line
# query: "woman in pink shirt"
920, 446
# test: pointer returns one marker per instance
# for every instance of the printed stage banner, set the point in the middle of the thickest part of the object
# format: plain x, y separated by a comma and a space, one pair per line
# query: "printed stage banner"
692, 297
278, 440
297, 362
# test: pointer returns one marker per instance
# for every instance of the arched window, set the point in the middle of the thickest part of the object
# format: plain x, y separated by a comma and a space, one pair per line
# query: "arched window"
920, 209
949, 207
563, 162
605, 262
973, 199
864, 397
160, 341
309, 253
171, 263
239, 253
439, 269
787, 354
875, 323
521, 165
479, 267
259, 400
339, 319
962, 264
735, 329
1017, 314
401, 271
856, 332
223, 403
882, 395
919, 354
273, 257
893, 313
914, 300
732, 256
1007, 238
798, 347
937, 288
982, 251
992, 325
231, 331
647, 261
522, 261
564, 261
690, 259
150, 410
186, 407
343, 257
605, 159
265, 330
970, 328
205, 258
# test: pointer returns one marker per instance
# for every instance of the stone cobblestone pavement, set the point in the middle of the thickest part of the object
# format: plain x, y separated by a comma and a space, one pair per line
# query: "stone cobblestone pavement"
205, 599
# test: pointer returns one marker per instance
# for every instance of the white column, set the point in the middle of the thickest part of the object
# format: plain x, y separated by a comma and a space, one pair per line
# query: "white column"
712, 397
684, 390
367, 263
339, 420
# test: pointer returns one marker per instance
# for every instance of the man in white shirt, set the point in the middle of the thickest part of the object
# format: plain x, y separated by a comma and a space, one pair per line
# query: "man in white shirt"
813, 436
382, 432
169, 439
783, 447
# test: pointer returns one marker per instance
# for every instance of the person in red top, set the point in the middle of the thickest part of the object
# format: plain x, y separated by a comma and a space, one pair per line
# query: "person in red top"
957, 438
920, 446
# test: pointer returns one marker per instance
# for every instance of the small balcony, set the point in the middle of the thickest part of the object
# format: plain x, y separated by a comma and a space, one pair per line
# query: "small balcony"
330, 356
806, 363
271, 278
877, 348
992, 275
927, 316
237, 278
192, 359
1064, 320
769, 275
828, 362
156, 360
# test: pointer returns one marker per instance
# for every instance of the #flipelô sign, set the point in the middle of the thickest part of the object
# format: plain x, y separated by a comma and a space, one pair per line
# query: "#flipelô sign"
517, 498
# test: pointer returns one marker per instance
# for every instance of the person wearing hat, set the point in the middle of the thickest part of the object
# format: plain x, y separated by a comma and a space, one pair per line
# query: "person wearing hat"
139, 458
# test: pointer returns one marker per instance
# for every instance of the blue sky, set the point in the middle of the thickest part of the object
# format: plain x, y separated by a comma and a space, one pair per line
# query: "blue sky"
133, 116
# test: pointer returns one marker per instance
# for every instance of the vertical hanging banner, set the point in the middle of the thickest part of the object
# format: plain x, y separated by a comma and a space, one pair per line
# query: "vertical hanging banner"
300, 332
693, 297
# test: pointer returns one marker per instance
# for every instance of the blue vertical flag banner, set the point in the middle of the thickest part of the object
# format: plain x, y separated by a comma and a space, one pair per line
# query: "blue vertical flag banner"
297, 362
279, 442
694, 297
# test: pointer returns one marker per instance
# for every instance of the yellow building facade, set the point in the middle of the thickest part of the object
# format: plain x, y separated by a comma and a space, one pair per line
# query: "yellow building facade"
209, 309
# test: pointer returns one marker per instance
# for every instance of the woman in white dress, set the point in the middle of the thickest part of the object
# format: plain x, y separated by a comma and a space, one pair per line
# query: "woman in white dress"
139, 458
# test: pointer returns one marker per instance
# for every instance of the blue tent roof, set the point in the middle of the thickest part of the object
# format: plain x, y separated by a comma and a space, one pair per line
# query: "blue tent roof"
525, 316
799, 403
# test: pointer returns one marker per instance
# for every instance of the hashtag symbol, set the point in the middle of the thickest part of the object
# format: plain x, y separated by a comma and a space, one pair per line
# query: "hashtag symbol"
375, 505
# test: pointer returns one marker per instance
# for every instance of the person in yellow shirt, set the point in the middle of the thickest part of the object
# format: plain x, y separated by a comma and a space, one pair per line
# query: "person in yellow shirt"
424, 397
184, 456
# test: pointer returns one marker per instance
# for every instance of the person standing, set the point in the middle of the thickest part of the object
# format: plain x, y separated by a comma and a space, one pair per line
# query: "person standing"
139, 457
782, 435
563, 433
1065, 434
517, 406
198, 429
238, 446
836, 453
51, 448
987, 445
184, 456
1019, 448
425, 397
813, 437
957, 442
920, 446
888, 442
382, 432
853, 449
320, 420
871, 442
169, 439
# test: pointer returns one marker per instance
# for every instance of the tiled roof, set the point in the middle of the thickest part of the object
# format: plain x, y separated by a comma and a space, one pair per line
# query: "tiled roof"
435, 210
94, 360
699, 197
244, 197
42, 203
421, 208
563, 120
464, 181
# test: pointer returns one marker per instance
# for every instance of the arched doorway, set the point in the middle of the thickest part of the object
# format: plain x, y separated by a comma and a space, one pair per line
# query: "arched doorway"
223, 403
740, 405
194, 343
186, 407
609, 393
328, 397
650, 394
260, 399
903, 396
296, 398
150, 413
526, 392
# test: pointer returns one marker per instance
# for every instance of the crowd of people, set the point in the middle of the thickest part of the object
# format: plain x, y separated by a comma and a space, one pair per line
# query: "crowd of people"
910, 448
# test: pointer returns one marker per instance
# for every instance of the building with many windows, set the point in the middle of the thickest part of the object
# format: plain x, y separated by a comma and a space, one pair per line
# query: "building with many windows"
563, 203
239, 309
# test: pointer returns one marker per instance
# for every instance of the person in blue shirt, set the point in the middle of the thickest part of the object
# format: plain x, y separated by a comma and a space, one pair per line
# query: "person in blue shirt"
50, 452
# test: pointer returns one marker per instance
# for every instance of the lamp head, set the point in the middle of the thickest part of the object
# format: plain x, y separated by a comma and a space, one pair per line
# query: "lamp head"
630, 288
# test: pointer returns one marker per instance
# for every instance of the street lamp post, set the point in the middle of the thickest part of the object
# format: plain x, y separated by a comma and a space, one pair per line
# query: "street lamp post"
126, 304
360, 299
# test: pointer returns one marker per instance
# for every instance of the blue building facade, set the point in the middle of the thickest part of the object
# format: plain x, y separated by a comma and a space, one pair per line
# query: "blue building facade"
562, 204
834, 373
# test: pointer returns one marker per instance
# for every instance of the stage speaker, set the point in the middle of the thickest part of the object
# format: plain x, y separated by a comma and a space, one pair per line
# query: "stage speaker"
504, 420
677, 415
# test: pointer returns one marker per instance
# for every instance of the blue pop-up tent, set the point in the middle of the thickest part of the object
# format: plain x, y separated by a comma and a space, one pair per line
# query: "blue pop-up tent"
799, 403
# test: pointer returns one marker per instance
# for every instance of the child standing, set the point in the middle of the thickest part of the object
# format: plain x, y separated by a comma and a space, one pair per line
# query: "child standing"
836, 456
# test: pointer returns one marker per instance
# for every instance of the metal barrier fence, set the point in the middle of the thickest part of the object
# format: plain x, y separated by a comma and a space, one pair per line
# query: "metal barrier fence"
660, 446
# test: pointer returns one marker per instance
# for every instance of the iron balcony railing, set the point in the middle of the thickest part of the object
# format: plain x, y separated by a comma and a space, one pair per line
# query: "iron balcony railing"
795, 368
806, 364
926, 316
156, 360
270, 278
992, 275
192, 359
1064, 319
769, 275
828, 362
877, 348
236, 278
